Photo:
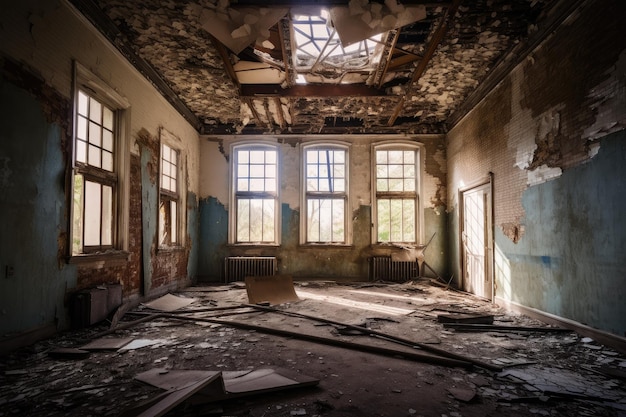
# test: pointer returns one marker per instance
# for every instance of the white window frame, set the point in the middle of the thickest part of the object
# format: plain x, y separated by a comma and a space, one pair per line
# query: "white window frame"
235, 194
179, 197
376, 194
86, 81
306, 194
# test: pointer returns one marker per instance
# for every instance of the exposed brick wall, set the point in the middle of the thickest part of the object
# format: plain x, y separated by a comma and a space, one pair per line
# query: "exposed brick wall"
544, 117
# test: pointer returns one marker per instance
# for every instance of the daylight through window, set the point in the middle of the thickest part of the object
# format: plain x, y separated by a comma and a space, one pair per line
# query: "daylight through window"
169, 197
326, 194
95, 179
396, 195
256, 194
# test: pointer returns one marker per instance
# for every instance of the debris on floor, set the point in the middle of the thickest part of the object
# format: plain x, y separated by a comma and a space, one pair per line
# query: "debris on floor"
404, 362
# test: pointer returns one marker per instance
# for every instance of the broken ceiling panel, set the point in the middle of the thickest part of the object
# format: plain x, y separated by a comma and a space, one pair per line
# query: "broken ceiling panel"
216, 84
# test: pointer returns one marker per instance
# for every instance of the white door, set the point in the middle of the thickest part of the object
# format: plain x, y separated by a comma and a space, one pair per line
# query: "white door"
476, 238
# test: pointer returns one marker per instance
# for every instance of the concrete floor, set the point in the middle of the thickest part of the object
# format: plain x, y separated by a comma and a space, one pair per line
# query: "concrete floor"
541, 373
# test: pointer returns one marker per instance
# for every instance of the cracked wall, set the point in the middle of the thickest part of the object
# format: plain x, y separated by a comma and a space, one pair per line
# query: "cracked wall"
39, 41
318, 260
550, 116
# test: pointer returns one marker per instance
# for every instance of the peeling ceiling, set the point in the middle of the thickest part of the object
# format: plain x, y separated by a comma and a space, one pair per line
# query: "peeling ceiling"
427, 74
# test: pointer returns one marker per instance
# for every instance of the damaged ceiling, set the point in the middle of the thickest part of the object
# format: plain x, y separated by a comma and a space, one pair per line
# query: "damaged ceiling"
237, 68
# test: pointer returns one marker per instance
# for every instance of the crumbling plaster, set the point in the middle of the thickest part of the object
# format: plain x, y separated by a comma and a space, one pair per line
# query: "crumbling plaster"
169, 36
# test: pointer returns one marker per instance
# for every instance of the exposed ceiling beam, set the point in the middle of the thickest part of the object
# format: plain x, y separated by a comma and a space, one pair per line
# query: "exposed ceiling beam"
294, 3
228, 65
428, 54
306, 90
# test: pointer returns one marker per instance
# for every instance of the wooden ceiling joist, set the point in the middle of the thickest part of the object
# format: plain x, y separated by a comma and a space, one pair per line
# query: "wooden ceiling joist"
309, 90
430, 51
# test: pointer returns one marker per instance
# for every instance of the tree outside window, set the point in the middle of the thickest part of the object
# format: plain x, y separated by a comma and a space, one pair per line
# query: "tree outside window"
255, 180
396, 195
325, 194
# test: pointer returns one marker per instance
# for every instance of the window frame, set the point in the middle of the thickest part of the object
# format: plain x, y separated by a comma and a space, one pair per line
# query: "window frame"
376, 195
305, 194
178, 198
94, 87
235, 195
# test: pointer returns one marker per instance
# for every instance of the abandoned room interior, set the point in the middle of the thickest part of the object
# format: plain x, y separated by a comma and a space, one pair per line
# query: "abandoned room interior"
321, 208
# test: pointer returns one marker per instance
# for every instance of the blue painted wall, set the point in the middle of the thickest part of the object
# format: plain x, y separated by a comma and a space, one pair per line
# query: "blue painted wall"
32, 215
571, 260
213, 237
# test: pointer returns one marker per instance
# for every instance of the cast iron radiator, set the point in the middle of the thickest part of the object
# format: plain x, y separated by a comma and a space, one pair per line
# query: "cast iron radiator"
383, 268
236, 268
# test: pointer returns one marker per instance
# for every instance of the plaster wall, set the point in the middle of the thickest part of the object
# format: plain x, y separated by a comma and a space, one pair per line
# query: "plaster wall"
315, 261
39, 41
542, 132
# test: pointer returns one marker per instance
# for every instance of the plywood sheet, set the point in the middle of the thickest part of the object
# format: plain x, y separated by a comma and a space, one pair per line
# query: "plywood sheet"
274, 289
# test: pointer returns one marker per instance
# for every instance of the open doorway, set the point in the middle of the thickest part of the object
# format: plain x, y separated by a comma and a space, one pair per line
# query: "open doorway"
477, 239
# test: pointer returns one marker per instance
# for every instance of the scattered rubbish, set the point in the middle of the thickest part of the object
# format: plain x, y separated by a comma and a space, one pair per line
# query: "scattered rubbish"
68, 353
396, 339
497, 328
465, 318
107, 343
561, 382
169, 302
446, 360
463, 394
273, 289
211, 386
139, 343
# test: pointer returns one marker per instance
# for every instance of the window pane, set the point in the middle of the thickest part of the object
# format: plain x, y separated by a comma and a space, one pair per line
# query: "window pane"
396, 184
77, 225
243, 157
270, 157
95, 110
257, 171
243, 220
268, 221
395, 221
95, 134
243, 171
409, 157
81, 151
81, 128
173, 222
107, 118
382, 185
381, 157
94, 156
313, 220
93, 200
256, 220
107, 215
396, 171
107, 140
384, 227
257, 184
408, 220
242, 185
338, 221
82, 103
107, 161
257, 157
395, 157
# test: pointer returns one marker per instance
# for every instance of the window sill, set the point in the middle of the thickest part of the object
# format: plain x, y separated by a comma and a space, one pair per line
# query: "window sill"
99, 260
168, 249
326, 246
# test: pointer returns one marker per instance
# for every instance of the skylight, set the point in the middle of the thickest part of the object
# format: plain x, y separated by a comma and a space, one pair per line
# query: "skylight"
320, 55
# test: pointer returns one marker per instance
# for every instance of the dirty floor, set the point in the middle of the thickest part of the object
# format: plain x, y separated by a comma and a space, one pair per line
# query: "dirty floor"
527, 372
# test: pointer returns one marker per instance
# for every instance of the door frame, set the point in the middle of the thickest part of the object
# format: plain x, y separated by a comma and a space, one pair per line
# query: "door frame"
490, 242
